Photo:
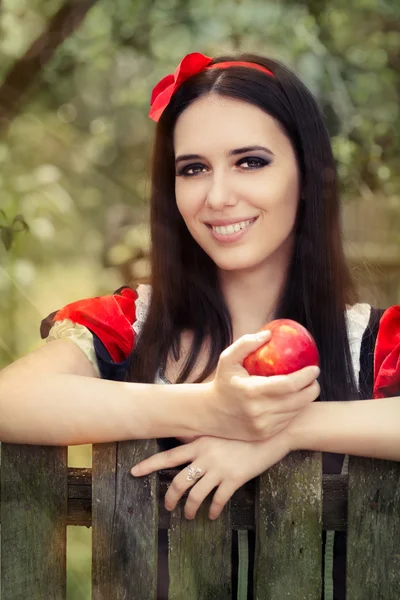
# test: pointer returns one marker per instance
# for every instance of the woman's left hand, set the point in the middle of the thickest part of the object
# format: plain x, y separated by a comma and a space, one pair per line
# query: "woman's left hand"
216, 463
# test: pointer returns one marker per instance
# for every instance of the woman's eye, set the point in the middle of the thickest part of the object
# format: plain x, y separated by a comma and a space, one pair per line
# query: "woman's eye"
191, 170
252, 163
248, 163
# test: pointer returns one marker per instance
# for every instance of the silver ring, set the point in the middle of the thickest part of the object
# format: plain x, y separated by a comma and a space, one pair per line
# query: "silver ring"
194, 473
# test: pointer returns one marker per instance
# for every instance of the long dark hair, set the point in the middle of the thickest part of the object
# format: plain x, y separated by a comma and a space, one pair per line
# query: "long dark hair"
185, 288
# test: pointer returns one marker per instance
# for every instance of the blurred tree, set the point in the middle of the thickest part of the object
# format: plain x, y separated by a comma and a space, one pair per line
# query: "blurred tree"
79, 149
28, 67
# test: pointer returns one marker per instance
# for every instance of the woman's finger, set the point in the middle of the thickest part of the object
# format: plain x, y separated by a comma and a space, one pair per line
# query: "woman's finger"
164, 460
181, 483
298, 401
282, 385
221, 497
198, 494
237, 351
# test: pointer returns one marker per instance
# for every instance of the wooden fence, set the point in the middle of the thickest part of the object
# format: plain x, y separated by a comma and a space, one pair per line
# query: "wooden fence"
288, 506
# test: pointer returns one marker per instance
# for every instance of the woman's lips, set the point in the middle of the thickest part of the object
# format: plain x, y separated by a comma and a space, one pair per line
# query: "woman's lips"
231, 237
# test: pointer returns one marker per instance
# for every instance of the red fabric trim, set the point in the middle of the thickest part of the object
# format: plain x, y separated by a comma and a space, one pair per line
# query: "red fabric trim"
109, 317
387, 355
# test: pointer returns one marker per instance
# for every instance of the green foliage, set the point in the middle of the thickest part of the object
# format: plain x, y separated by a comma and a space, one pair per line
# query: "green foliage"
8, 232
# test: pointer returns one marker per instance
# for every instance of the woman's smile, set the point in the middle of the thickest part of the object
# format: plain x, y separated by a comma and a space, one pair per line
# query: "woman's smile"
231, 233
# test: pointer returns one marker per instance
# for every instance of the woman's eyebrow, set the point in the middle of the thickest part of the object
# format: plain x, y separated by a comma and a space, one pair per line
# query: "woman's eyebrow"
183, 157
250, 149
234, 152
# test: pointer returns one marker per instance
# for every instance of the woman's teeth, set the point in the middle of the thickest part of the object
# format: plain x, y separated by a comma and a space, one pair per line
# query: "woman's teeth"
229, 229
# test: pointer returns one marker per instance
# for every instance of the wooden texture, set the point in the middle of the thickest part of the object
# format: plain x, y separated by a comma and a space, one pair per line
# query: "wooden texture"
373, 559
33, 511
289, 533
125, 523
200, 555
334, 506
80, 497
284, 505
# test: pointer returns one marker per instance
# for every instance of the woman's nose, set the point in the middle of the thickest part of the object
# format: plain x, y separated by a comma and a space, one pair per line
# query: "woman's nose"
220, 193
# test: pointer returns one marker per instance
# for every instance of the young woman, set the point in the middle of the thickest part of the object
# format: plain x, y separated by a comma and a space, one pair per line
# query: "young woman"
245, 226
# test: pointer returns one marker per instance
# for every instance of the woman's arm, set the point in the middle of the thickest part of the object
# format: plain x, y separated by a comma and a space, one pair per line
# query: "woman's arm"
368, 428
53, 397
362, 428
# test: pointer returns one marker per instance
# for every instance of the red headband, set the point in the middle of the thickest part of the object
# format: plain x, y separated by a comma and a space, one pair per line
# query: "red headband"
191, 64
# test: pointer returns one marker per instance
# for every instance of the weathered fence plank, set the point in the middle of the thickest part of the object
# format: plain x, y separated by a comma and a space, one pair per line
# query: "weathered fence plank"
79, 496
334, 505
34, 492
289, 532
284, 507
125, 523
200, 555
373, 539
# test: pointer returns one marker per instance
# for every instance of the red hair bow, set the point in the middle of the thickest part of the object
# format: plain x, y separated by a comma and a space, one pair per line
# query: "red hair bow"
190, 65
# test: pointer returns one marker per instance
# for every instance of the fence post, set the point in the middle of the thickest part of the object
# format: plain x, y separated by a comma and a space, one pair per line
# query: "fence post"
373, 531
125, 523
288, 522
34, 493
200, 555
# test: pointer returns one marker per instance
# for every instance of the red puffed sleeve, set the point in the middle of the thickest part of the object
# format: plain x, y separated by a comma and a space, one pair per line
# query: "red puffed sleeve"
387, 355
109, 318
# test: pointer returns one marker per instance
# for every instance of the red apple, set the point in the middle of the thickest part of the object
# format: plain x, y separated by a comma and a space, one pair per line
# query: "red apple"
291, 347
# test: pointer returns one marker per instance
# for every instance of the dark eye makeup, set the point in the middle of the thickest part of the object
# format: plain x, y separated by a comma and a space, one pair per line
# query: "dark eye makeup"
253, 163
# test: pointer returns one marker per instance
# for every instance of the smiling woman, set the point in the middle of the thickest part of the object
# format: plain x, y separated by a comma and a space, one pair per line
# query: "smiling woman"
245, 228
245, 191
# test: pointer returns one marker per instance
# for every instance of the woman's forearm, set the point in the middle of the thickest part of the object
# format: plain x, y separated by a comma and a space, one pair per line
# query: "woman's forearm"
62, 409
362, 428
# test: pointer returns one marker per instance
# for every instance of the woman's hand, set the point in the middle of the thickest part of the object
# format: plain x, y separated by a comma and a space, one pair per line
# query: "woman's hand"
251, 408
218, 463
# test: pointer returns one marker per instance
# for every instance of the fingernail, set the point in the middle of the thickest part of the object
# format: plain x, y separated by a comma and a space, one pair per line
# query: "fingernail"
135, 471
261, 335
317, 371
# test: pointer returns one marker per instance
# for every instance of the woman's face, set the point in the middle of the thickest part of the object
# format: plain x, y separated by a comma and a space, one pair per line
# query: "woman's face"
237, 182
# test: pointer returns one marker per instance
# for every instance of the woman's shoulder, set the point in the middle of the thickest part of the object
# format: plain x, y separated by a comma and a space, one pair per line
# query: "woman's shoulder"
104, 327
387, 354
362, 318
374, 333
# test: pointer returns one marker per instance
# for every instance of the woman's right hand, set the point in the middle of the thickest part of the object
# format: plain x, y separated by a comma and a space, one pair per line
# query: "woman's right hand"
252, 408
